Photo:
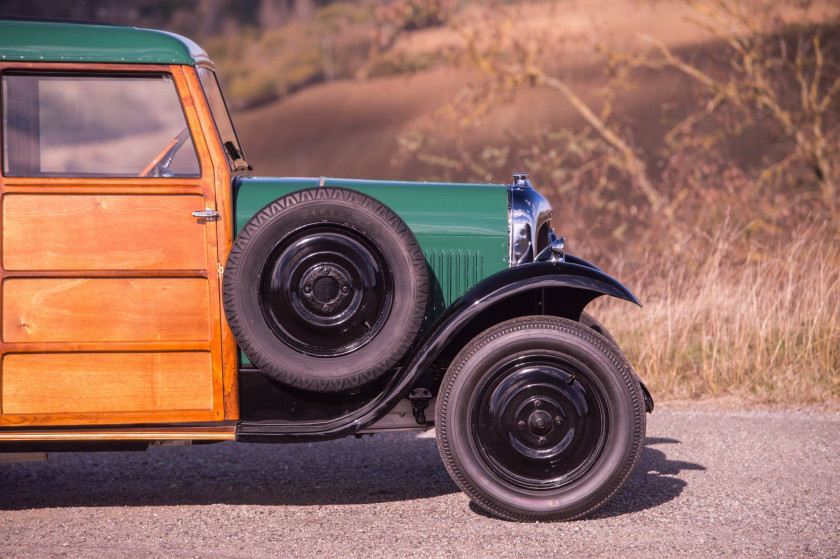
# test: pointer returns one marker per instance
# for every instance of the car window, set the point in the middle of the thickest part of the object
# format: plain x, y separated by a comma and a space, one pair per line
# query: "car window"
75, 125
221, 116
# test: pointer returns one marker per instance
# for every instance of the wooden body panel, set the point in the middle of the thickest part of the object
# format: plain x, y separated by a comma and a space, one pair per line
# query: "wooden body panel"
225, 232
102, 232
195, 433
92, 383
106, 310
110, 290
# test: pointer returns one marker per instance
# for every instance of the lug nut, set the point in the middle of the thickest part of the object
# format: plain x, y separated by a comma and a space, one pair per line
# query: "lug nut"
537, 403
558, 420
307, 289
344, 289
541, 441
521, 424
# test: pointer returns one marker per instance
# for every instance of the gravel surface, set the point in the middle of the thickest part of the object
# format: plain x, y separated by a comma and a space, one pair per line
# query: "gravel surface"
710, 483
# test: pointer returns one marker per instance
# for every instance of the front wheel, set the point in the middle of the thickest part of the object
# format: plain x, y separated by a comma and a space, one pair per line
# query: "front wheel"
540, 419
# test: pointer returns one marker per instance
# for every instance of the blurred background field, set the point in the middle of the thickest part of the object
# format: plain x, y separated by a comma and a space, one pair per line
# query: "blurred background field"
690, 147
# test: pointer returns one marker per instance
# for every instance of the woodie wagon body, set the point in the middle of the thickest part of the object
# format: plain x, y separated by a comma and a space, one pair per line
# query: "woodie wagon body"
153, 292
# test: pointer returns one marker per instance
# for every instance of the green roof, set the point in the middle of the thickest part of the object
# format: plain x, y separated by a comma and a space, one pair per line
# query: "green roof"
40, 41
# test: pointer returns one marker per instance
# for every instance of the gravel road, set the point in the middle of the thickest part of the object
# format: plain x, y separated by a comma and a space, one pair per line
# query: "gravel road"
710, 483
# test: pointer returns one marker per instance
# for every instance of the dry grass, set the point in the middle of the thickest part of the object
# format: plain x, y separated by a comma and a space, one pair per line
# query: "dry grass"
765, 326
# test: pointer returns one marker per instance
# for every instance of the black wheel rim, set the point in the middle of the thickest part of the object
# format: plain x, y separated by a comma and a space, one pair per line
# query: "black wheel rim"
326, 290
539, 422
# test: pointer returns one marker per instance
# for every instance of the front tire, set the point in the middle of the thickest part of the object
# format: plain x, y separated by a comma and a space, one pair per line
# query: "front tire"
539, 419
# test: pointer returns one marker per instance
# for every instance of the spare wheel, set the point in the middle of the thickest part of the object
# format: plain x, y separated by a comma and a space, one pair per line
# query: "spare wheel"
325, 289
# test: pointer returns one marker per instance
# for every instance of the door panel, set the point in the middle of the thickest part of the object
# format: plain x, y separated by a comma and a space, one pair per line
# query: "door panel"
111, 310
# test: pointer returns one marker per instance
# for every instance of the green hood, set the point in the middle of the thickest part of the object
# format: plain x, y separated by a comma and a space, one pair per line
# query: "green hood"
462, 228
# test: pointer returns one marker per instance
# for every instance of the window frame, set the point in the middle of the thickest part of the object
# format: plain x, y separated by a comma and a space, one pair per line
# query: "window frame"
232, 165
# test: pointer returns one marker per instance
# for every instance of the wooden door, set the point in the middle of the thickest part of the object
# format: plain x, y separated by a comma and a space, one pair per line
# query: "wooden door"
109, 284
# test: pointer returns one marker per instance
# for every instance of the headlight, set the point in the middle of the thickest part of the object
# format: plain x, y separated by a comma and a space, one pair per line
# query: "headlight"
530, 220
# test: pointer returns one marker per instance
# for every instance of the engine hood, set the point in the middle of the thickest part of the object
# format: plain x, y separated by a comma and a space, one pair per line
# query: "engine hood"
463, 229
429, 208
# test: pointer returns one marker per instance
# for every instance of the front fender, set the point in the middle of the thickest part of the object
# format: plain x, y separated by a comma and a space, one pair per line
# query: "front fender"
561, 288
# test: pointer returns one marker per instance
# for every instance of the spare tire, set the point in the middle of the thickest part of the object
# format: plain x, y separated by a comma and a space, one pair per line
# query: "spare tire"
325, 289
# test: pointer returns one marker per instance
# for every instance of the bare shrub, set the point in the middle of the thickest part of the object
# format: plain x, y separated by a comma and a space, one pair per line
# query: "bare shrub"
781, 75
260, 65
397, 16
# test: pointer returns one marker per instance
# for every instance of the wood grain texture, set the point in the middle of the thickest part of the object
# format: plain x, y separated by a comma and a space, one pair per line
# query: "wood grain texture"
98, 232
216, 185
224, 231
105, 383
106, 310
80, 257
85, 66
40, 185
109, 420
113, 347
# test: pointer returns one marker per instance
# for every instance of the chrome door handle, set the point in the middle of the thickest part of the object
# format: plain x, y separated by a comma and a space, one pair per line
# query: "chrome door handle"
206, 214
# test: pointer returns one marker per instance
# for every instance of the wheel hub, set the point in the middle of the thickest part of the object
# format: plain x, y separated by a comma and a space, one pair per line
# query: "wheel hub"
534, 427
539, 419
540, 423
326, 290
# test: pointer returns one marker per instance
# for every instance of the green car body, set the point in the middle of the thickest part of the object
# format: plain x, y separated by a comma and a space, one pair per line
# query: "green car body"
464, 240
44, 41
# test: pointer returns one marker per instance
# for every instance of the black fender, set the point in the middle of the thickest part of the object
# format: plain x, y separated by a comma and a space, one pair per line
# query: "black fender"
563, 288
559, 288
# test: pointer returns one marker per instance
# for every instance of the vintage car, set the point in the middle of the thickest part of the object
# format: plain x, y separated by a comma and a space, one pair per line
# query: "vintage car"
154, 292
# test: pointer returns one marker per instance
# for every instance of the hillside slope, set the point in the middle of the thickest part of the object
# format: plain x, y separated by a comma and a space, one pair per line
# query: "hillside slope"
349, 128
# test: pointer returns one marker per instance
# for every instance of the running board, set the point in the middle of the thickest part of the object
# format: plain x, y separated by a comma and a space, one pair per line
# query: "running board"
407, 415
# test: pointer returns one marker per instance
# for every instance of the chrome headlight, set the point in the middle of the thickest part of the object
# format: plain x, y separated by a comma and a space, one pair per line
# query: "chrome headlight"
530, 220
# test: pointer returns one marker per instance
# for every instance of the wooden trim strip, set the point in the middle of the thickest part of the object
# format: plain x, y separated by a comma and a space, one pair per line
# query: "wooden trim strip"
115, 418
83, 274
104, 180
198, 434
179, 346
102, 186
109, 67
216, 188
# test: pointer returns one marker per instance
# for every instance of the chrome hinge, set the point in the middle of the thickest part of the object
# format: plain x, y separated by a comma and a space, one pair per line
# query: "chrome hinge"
206, 214
221, 270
